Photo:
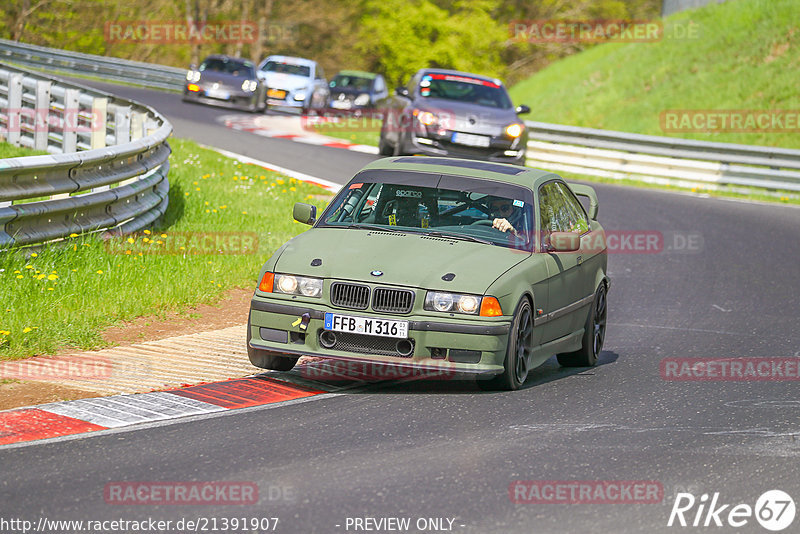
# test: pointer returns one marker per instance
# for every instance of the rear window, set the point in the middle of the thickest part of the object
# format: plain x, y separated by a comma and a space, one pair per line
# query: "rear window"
228, 66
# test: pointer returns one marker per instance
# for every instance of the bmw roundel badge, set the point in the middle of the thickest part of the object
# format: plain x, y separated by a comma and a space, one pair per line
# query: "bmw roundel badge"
376, 273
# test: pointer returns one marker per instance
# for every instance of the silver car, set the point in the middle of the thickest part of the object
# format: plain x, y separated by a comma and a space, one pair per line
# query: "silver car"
294, 82
225, 81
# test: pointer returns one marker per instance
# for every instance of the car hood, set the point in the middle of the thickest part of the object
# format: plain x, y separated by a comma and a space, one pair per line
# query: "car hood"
464, 117
281, 80
410, 260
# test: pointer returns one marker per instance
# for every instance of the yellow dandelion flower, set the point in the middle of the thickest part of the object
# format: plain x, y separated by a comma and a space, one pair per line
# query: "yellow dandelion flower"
52, 277
49, 288
131, 240
73, 235
283, 191
195, 183
183, 248
197, 189
164, 236
292, 188
223, 207
26, 329
139, 254
99, 271
272, 184
29, 267
86, 244
39, 276
187, 194
74, 247
74, 270
280, 182
159, 242
215, 211
34, 255
206, 203
145, 240
208, 211
127, 252
147, 232
19, 276
244, 213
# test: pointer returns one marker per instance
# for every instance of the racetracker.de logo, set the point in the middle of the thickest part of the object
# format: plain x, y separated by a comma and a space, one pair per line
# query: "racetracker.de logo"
184, 243
586, 31
22, 120
730, 120
586, 492
373, 371
180, 32
730, 369
94, 367
180, 493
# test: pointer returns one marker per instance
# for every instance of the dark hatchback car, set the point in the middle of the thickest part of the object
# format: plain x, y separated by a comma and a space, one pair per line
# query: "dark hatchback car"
354, 90
451, 113
225, 81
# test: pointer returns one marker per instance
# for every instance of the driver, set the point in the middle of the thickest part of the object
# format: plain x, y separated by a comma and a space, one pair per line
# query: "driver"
505, 216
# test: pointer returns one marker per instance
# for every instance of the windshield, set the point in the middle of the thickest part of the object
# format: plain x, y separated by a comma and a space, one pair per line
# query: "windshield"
464, 89
463, 208
228, 66
287, 68
352, 82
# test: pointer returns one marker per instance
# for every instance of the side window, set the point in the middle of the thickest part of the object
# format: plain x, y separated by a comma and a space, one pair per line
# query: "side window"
574, 217
320, 73
560, 211
412, 85
380, 86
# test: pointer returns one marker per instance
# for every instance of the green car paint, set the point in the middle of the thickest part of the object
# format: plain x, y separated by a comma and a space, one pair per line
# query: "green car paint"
559, 292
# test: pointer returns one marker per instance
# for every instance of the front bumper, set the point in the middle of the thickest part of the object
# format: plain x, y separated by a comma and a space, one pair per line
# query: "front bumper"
447, 345
500, 150
235, 100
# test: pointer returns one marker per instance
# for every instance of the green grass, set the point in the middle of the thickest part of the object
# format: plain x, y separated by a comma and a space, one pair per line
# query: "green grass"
359, 131
65, 295
8, 150
746, 55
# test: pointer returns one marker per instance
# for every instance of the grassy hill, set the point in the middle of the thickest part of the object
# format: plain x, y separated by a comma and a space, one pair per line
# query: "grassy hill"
744, 55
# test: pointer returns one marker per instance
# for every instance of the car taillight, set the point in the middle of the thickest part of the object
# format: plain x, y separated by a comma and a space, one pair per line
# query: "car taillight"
266, 282
193, 87
490, 307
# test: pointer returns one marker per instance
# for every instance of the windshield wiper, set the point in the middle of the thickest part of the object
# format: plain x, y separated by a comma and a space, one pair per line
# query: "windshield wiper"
460, 237
376, 227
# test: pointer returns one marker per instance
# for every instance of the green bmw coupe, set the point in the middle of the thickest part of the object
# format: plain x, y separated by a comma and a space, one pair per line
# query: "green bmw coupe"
484, 269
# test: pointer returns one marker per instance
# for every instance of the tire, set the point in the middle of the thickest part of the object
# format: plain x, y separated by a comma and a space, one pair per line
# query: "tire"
265, 360
517, 353
594, 334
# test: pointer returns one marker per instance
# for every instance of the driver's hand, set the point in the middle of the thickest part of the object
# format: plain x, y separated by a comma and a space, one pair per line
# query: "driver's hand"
503, 225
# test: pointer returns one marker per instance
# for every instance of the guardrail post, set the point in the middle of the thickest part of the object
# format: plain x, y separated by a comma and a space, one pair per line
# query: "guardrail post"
70, 121
14, 109
41, 115
99, 111
137, 125
122, 125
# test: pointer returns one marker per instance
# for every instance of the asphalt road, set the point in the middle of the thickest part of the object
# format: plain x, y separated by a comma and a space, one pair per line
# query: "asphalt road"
449, 450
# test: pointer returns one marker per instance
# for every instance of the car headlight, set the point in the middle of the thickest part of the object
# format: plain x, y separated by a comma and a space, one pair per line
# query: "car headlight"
193, 76
361, 100
297, 285
514, 130
452, 302
300, 97
249, 85
425, 117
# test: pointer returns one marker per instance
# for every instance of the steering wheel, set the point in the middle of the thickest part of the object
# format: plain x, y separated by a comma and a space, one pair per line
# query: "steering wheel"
482, 222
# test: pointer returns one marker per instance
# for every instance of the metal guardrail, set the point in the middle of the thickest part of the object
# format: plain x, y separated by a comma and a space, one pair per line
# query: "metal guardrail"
109, 68
611, 154
107, 167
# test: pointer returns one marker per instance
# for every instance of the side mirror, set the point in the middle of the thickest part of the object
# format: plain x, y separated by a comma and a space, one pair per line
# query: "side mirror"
522, 110
401, 91
565, 241
304, 213
193, 66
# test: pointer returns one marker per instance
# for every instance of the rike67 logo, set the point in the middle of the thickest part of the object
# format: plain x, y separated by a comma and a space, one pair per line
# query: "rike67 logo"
774, 510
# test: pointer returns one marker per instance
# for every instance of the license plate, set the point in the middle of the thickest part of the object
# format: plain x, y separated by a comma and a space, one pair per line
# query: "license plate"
216, 93
276, 93
341, 104
366, 325
470, 139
